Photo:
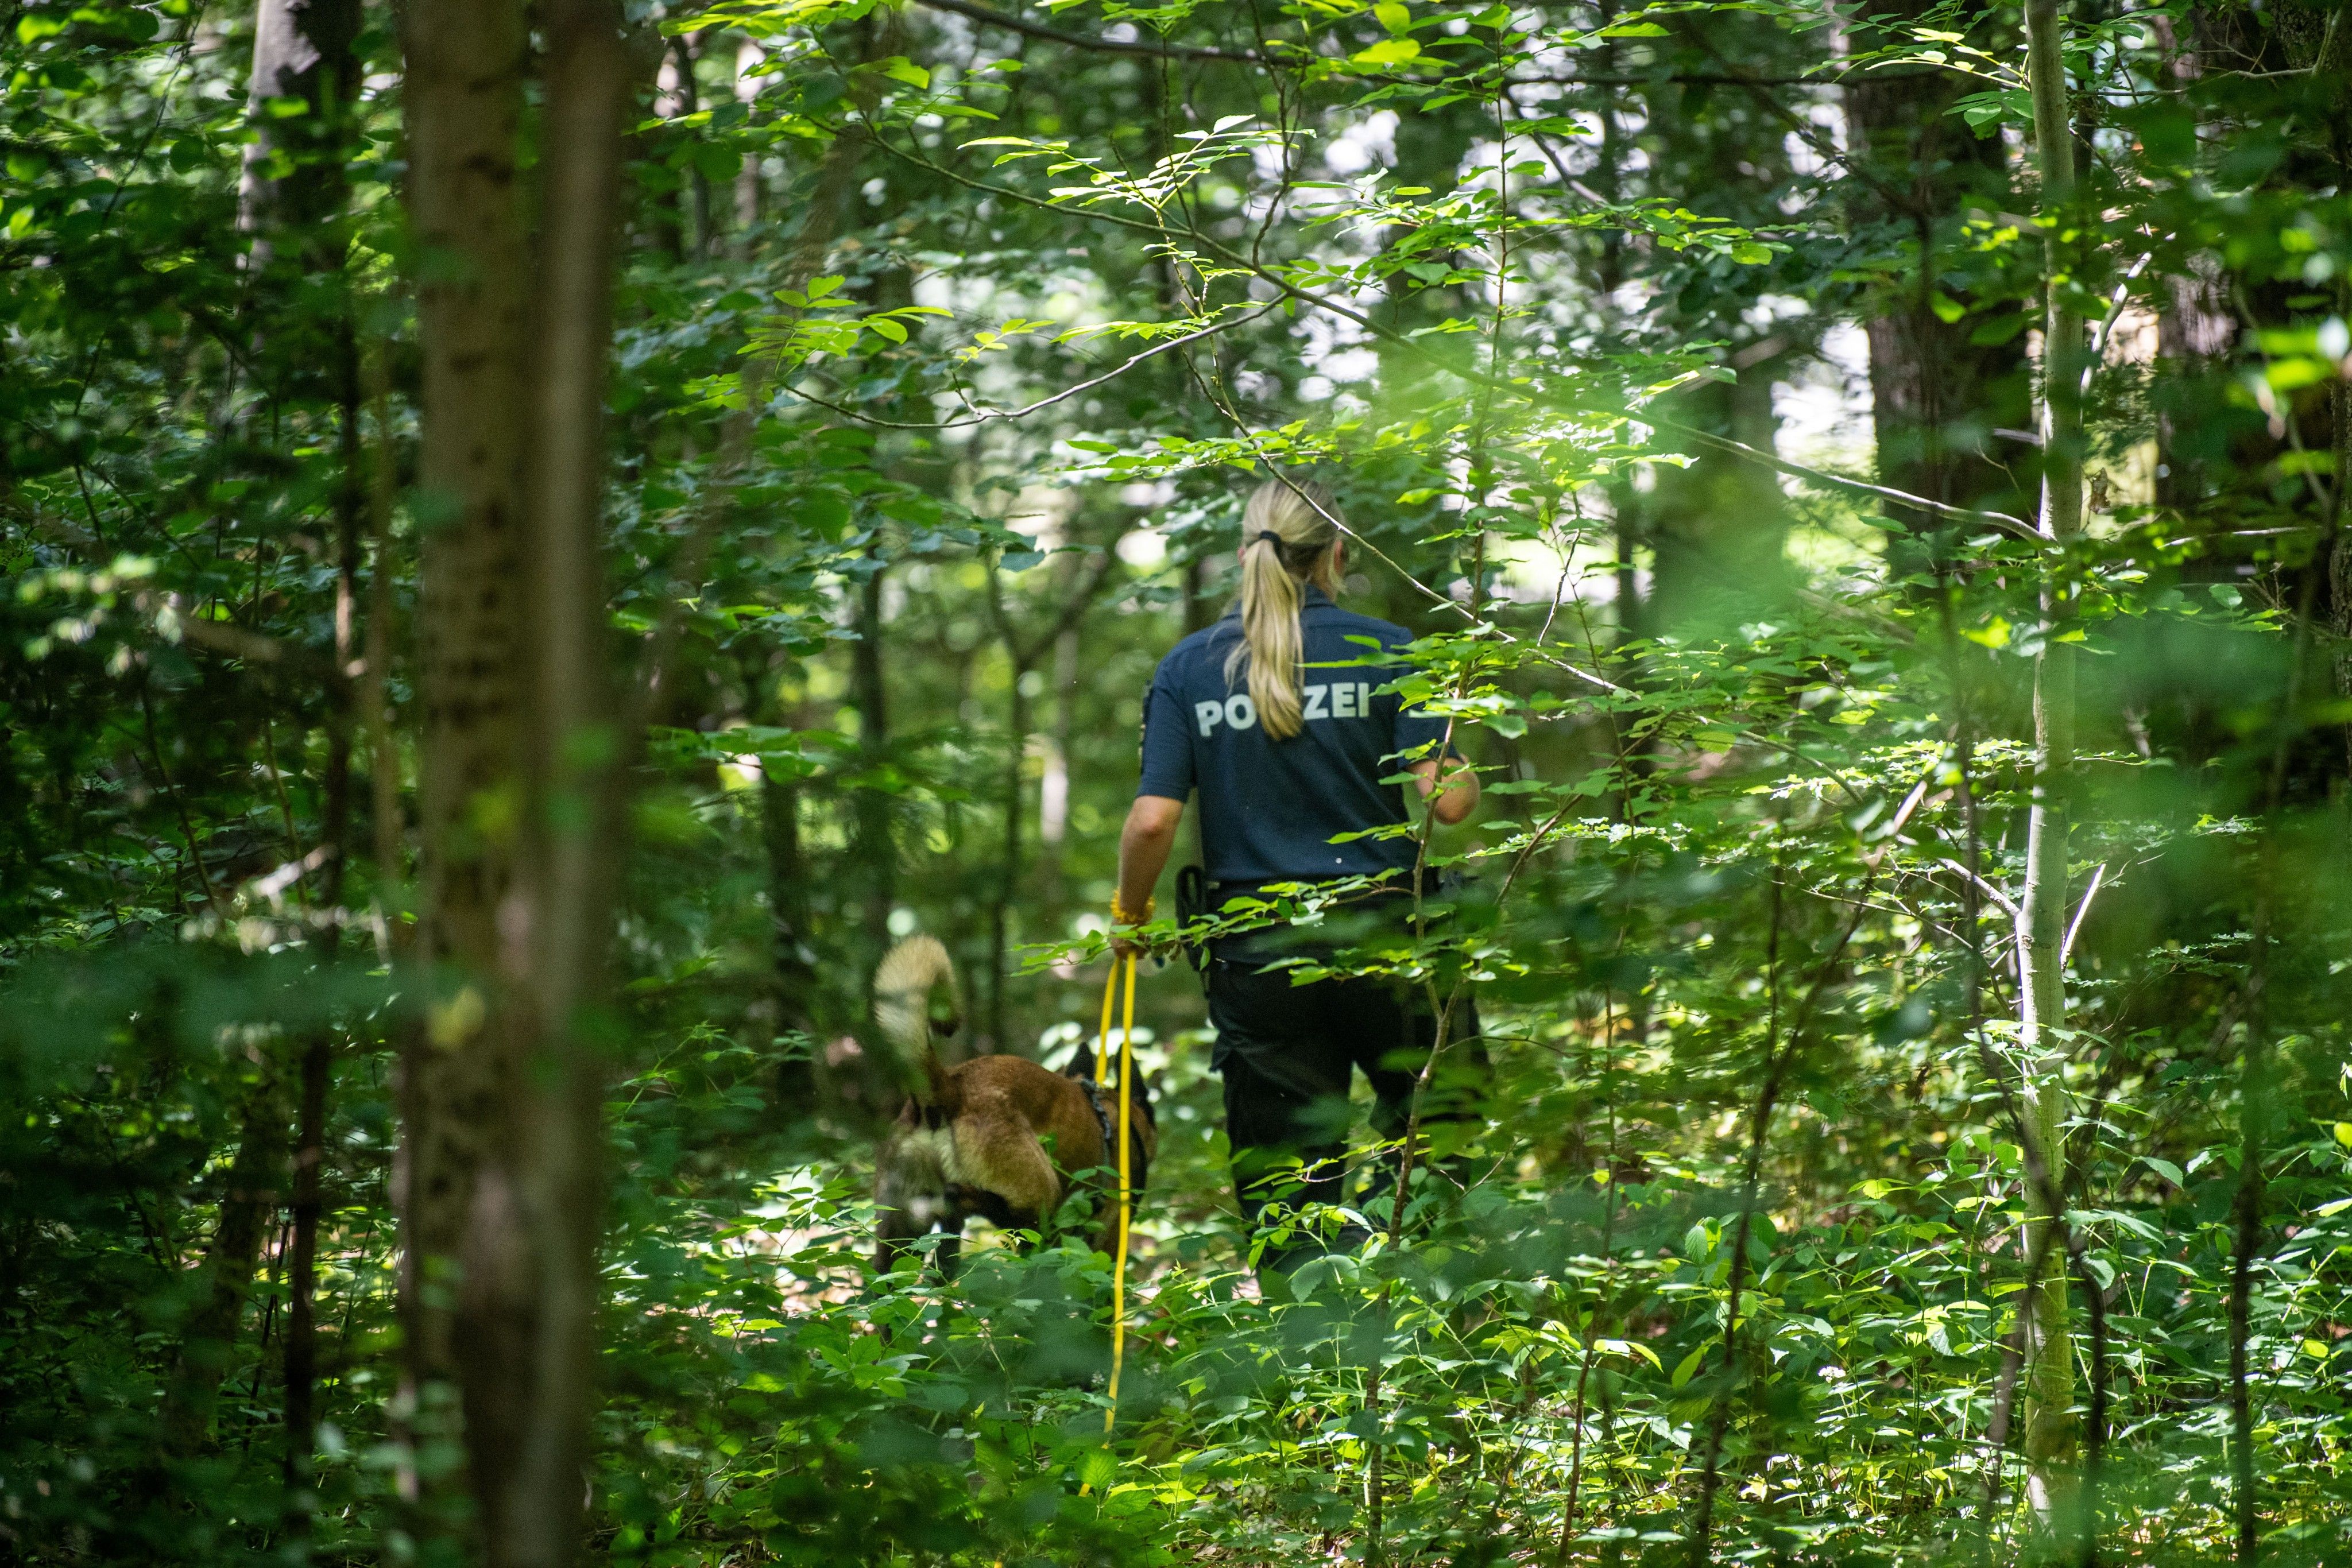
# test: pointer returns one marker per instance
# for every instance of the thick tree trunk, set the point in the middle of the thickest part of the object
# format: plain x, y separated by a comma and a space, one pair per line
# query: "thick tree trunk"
519, 797
301, 50
2050, 1423
465, 96
529, 1294
1935, 397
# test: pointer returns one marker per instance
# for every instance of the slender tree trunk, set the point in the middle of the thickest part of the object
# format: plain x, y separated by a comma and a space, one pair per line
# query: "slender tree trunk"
2050, 1423
877, 853
780, 826
1053, 788
294, 184
685, 49
1008, 881
2339, 555
465, 96
318, 1051
748, 183
248, 1204
2246, 1213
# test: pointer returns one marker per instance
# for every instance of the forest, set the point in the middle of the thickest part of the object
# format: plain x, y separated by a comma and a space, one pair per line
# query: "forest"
541, 538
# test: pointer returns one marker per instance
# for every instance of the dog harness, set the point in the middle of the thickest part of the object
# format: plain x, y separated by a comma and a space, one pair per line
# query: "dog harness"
1102, 1120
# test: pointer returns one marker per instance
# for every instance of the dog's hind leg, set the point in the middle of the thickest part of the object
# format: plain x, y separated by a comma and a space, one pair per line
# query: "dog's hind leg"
1000, 1156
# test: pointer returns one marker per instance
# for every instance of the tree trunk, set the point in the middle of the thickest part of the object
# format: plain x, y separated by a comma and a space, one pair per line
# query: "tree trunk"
318, 1051
877, 853
1935, 397
294, 182
780, 832
748, 184
301, 50
694, 191
2050, 1424
465, 96
529, 1294
1053, 788
248, 1204
1008, 877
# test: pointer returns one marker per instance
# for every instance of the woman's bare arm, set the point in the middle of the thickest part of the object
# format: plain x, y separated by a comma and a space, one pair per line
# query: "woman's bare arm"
1459, 796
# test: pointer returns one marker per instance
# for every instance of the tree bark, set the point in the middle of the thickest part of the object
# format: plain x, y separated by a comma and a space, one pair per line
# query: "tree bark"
780, 834
519, 797
1934, 396
294, 182
465, 96
748, 183
694, 190
2050, 1424
528, 1294
318, 1050
248, 1207
301, 50
877, 850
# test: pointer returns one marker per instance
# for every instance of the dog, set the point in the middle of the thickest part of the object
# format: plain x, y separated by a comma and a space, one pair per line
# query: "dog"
999, 1137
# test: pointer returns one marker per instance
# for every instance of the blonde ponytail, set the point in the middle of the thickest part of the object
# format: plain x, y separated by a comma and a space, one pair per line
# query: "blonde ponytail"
1287, 532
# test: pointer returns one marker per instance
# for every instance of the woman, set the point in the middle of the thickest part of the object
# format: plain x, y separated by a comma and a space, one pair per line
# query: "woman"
1275, 717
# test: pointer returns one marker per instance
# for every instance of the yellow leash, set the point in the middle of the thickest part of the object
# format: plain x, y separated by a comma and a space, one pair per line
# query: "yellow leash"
1126, 1178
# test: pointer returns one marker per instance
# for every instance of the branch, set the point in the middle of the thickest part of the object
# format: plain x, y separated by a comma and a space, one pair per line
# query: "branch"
1103, 45
1161, 49
2016, 526
1407, 344
982, 415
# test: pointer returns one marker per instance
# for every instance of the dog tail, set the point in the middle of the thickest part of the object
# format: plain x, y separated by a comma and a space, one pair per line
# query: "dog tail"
911, 975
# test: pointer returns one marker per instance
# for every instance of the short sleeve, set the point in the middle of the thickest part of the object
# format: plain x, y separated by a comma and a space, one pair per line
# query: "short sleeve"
1418, 735
1167, 742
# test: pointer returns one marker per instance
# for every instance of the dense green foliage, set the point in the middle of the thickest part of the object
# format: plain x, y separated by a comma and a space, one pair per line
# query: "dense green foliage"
944, 354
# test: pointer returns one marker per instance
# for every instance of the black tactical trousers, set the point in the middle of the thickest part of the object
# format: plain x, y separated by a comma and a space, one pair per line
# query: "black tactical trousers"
1287, 1054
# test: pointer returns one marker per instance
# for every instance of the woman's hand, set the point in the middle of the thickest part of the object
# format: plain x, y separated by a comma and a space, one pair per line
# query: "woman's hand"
1125, 920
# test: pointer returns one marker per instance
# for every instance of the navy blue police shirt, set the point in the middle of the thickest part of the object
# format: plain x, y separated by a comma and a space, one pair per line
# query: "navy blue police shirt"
1270, 808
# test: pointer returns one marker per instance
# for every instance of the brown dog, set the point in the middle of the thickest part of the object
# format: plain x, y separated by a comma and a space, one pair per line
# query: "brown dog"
996, 1136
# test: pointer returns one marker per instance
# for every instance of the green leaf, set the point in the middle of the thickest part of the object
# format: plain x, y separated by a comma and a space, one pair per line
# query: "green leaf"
1389, 52
1751, 252
1688, 1366
1393, 16
883, 326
